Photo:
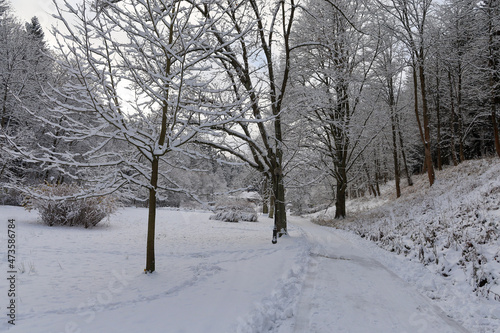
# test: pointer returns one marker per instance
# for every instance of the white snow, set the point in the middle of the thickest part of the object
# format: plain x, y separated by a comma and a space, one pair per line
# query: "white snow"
213, 276
249, 196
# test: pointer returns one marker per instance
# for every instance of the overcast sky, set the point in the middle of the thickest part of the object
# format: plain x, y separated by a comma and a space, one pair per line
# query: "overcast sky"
26, 9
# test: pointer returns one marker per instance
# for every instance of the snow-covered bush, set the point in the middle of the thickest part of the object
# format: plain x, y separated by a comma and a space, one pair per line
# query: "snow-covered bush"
57, 205
235, 210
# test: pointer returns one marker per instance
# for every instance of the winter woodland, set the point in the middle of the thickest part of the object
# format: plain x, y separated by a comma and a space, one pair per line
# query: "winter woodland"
307, 103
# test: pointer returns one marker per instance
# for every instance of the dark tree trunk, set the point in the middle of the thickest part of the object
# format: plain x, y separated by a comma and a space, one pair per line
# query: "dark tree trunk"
494, 80
265, 198
427, 130
369, 179
495, 128
279, 204
438, 114
452, 122
3, 121
397, 175
341, 148
403, 153
460, 117
424, 131
271, 205
278, 181
392, 102
150, 250
340, 209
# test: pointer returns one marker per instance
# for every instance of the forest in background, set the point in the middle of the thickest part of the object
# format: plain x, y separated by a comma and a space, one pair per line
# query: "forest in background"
180, 103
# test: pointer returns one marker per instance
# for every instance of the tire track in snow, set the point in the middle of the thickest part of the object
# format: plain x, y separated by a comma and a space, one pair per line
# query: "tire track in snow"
303, 308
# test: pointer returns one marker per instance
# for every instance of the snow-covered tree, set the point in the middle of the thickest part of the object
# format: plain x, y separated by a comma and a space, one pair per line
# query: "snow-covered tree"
412, 24
389, 69
452, 87
24, 71
140, 86
257, 67
332, 70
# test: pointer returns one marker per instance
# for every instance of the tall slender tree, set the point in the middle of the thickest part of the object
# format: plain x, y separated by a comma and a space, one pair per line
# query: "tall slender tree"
412, 16
389, 69
333, 69
258, 69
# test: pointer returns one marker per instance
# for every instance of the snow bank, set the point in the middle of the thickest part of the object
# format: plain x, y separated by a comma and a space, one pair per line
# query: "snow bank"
452, 227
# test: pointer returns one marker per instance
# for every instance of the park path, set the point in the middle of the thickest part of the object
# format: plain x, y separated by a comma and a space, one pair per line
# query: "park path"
347, 289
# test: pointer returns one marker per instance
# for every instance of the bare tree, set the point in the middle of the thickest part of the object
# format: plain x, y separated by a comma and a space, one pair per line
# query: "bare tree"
413, 20
333, 67
140, 86
389, 69
257, 67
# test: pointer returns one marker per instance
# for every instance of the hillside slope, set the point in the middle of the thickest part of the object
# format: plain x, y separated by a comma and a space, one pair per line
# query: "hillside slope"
452, 227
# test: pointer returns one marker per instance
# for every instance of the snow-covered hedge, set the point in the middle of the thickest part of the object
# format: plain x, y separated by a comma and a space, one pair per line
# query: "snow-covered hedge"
452, 227
57, 206
235, 210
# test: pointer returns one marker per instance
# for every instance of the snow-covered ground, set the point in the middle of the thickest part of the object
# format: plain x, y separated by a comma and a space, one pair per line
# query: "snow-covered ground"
215, 276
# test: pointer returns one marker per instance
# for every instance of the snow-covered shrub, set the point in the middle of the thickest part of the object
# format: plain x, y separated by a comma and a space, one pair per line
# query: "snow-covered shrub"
235, 210
10, 197
57, 205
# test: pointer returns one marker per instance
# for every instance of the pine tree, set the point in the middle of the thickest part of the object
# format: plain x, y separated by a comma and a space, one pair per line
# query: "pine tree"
34, 29
4, 7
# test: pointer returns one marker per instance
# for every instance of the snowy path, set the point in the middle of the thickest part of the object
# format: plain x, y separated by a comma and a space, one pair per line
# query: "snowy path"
346, 290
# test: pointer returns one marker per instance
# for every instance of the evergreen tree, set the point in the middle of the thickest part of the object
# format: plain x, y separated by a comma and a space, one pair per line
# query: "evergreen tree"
4, 7
34, 29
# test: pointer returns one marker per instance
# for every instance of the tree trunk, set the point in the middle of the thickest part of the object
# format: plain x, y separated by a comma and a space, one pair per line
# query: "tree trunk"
3, 121
341, 148
403, 154
379, 175
427, 131
452, 122
495, 128
340, 209
397, 175
271, 206
265, 206
279, 204
277, 162
438, 114
370, 184
392, 102
265, 198
150, 250
460, 117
